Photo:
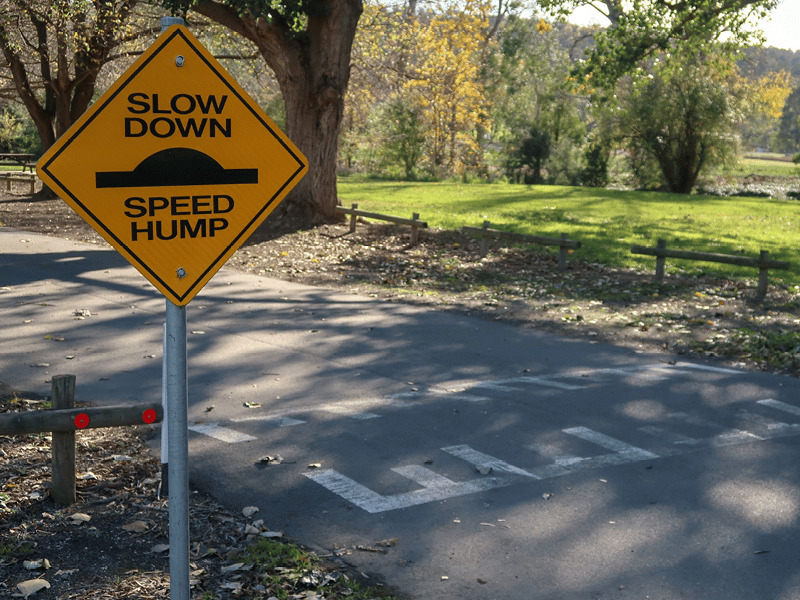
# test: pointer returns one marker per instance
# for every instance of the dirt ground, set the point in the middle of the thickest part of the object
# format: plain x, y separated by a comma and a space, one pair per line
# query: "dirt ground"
110, 544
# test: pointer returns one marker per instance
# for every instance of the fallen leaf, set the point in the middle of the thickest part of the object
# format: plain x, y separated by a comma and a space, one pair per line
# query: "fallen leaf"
32, 586
547, 495
314, 465
159, 548
80, 517
481, 581
251, 404
136, 527
249, 511
251, 530
483, 470
388, 543
445, 578
32, 564
233, 567
272, 534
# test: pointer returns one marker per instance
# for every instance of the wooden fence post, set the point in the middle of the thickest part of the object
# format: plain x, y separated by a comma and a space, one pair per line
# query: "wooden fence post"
562, 254
353, 218
660, 259
484, 247
763, 274
63, 447
414, 230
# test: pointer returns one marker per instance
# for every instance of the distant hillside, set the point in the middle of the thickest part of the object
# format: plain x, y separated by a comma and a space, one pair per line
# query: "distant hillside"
759, 61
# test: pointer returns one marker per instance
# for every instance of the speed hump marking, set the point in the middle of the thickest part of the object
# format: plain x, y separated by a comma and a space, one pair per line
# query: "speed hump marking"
175, 165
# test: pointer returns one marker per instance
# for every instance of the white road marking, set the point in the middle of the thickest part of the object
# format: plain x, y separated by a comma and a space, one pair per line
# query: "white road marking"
479, 459
683, 365
346, 411
771, 425
610, 443
224, 434
274, 420
793, 410
366, 499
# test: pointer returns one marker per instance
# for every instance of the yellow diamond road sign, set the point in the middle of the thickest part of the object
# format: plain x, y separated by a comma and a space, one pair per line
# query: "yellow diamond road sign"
175, 165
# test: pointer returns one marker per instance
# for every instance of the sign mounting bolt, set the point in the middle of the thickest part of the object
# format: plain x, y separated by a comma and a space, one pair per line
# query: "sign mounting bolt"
181, 273
179, 60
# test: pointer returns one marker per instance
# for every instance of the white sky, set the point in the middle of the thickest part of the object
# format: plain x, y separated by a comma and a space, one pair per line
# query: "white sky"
782, 29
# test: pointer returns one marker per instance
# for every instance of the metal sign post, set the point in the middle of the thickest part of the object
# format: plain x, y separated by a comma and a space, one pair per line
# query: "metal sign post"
176, 385
178, 452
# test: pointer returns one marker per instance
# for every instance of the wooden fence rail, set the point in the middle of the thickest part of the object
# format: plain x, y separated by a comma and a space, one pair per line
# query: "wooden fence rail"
18, 176
763, 262
564, 243
64, 420
413, 222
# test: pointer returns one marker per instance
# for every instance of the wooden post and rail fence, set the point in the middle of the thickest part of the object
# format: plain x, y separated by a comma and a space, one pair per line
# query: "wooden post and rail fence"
763, 262
564, 243
63, 420
414, 222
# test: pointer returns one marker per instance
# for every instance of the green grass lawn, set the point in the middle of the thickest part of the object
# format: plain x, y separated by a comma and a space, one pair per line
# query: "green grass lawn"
607, 222
765, 166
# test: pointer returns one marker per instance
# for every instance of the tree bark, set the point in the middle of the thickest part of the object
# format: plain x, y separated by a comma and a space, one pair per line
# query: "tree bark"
312, 69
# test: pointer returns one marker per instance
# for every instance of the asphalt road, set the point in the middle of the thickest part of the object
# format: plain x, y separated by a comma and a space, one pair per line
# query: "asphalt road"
453, 457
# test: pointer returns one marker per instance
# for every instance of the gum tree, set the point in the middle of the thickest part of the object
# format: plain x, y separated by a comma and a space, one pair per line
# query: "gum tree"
53, 53
307, 45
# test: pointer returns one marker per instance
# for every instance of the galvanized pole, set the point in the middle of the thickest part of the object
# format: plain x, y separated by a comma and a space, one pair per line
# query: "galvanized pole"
177, 432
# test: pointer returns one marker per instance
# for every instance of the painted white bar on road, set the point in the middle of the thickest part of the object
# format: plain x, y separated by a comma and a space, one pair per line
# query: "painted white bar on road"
370, 501
771, 425
224, 434
275, 420
424, 476
789, 408
610, 443
479, 459
346, 411
683, 365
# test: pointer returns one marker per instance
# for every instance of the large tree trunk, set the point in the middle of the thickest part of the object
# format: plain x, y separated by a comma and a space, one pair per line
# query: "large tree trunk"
312, 70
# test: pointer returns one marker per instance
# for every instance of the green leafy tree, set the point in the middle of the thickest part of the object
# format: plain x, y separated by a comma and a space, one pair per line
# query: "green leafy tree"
404, 134
534, 93
644, 29
681, 114
788, 138
54, 51
534, 151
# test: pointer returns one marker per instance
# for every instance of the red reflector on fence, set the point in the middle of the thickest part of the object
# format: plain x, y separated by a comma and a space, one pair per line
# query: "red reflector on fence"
149, 416
82, 421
